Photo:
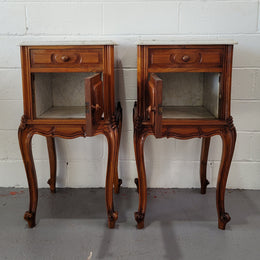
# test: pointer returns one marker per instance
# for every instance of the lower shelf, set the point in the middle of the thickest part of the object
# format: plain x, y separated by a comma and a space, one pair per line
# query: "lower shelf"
184, 112
64, 112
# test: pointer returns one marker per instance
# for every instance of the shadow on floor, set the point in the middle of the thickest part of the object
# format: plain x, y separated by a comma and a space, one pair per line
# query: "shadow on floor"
178, 222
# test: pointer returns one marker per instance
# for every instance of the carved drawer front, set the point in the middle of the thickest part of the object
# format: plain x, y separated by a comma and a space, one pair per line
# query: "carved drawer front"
184, 58
67, 58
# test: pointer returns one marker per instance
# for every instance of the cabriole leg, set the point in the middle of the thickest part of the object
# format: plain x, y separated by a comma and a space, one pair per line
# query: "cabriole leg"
229, 140
25, 137
139, 140
53, 163
117, 181
203, 164
111, 163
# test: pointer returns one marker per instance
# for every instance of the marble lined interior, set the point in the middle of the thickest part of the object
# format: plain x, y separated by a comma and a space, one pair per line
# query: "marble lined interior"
56, 91
192, 112
211, 93
183, 92
68, 89
182, 89
185, 95
43, 92
65, 112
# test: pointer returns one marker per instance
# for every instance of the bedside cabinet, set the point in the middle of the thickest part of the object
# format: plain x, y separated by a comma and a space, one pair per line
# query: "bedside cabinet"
68, 92
184, 92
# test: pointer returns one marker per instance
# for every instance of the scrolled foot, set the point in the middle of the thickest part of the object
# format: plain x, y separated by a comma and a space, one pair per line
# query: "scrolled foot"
137, 185
52, 185
139, 217
112, 218
223, 220
117, 188
204, 187
30, 218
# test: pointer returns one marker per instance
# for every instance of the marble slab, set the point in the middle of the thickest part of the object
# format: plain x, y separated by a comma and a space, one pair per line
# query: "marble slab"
66, 43
183, 41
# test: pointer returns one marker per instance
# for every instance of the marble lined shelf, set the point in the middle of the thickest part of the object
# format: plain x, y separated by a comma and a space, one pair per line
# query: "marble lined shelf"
64, 112
184, 112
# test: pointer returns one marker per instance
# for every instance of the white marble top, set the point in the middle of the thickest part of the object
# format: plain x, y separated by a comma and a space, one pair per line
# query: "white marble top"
186, 42
56, 43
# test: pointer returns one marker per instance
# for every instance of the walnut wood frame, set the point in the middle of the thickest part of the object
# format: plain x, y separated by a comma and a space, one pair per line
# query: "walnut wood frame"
220, 61
30, 125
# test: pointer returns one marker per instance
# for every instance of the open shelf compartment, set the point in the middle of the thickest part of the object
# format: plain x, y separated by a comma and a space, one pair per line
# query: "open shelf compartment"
60, 95
190, 95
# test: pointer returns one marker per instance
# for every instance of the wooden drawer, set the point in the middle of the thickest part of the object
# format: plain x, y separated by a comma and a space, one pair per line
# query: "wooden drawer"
66, 58
184, 58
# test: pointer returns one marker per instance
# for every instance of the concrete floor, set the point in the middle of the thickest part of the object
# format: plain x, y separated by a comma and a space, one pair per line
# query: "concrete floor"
180, 224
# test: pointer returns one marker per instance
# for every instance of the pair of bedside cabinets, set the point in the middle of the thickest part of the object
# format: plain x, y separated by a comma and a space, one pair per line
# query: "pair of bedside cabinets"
183, 91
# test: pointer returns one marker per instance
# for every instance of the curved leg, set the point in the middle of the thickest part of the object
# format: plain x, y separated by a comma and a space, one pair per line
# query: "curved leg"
228, 139
25, 137
117, 181
53, 164
111, 139
203, 164
139, 140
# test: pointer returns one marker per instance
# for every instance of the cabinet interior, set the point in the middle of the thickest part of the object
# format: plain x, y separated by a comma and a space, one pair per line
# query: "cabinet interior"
60, 95
190, 95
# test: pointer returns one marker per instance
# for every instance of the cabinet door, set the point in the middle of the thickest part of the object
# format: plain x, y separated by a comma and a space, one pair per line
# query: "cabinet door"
94, 102
154, 108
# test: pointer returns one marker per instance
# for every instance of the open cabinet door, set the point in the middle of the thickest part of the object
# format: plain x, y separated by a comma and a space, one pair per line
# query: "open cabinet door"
94, 102
154, 108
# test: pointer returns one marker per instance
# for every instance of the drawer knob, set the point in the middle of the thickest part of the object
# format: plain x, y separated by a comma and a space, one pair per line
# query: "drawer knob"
186, 58
65, 58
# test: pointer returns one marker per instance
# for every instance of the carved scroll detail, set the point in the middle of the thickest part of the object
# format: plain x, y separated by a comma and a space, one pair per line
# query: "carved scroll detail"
230, 123
23, 123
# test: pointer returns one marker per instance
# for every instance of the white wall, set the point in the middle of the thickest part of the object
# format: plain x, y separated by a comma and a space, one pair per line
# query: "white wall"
169, 162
